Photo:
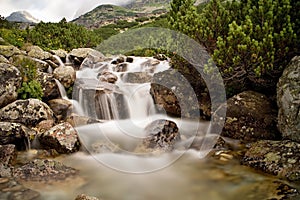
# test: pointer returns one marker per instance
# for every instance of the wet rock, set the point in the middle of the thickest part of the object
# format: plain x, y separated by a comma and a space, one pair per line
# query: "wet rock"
37, 52
62, 137
7, 154
118, 60
3, 59
15, 133
10, 81
288, 100
43, 170
77, 120
28, 112
85, 197
280, 158
60, 107
129, 59
62, 54
137, 77
66, 75
122, 67
78, 55
250, 117
93, 61
49, 86
8, 51
107, 76
161, 136
12, 190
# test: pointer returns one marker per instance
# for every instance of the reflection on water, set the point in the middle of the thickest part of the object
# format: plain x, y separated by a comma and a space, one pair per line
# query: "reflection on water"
188, 178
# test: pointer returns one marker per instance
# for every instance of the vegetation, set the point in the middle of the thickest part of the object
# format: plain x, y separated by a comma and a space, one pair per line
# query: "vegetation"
31, 88
250, 41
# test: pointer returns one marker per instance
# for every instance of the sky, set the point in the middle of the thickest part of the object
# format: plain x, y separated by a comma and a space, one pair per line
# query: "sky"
54, 10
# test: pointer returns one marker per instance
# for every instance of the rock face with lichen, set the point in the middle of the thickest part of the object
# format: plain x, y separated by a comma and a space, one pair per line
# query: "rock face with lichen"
10, 81
288, 100
250, 117
15, 133
62, 137
66, 75
43, 170
28, 112
280, 158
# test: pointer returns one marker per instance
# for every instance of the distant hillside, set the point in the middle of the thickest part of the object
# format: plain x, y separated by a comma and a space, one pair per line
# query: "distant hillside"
22, 16
148, 5
108, 14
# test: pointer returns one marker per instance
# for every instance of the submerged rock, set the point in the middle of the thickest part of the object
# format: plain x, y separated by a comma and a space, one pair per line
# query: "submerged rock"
62, 137
43, 170
137, 77
28, 112
250, 117
15, 133
288, 100
280, 158
161, 136
85, 197
10, 81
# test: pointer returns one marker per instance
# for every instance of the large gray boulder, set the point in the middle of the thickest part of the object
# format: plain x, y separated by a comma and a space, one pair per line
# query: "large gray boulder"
288, 100
28, 112
62, 137
66, 75
250, 117
10, 81
37, 52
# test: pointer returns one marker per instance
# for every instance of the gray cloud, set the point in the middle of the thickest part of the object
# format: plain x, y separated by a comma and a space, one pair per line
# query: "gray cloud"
54, 10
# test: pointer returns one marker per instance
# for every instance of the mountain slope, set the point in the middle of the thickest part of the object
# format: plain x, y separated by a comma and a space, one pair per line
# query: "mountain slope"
22, 16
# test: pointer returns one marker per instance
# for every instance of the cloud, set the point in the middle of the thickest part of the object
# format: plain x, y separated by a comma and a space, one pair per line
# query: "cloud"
54, 10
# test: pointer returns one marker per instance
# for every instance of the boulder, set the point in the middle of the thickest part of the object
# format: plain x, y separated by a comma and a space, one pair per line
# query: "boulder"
43, 170
107, 76
40, 64
66, 75
15, 133
49, 86
28, 112
288, 100
279, 158
10, 81
161, 136
9, 50
174, 94
137, 77
37, 52
60, 107
62, 54
250, 117
78, 55
77, 120
62, 137
3, 59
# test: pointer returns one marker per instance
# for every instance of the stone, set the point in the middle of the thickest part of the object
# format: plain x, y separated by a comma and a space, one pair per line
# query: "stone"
279, 158
62, 137
161, 136
49, 86
3, 59
9, 50
78, 55
107, 76
137, 77
43, 170
10, 82
77, 120
85, 197
41, 65
15, 133
288, 101
250, 117
8, 154
60, 107
44, 126
62, 54
28, 112
66, 75
37, 52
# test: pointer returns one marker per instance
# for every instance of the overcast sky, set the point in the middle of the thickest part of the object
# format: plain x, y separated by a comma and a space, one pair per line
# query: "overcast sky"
53, 10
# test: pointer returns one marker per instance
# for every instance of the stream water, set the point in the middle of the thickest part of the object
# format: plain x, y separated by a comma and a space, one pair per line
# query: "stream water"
126, 108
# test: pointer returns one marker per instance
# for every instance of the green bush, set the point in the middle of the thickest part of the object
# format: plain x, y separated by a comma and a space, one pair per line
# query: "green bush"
30, 88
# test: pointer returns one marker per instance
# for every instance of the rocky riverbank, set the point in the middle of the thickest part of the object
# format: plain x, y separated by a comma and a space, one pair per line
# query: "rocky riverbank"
266, 136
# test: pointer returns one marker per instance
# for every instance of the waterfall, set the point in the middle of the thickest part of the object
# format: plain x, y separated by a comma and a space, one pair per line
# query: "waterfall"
57, 58
62, 89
